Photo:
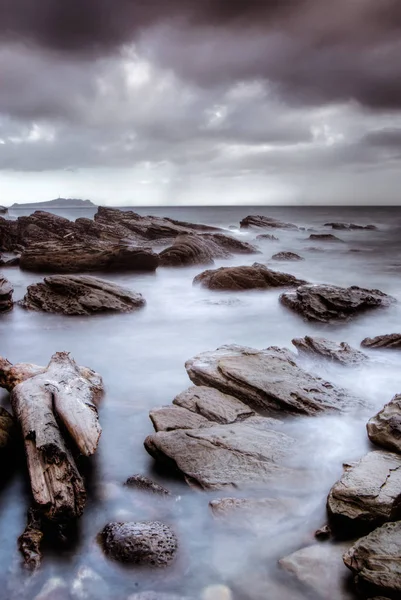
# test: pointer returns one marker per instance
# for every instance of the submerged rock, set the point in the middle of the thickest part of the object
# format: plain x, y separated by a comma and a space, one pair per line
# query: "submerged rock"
267, 236
384, 429
267, 380
389, 341
253, 513
6, 295
153, 544
213, 405
80, 295
256, 277
368, 494
327, 303
350, 226
324, 237
341, 353
143, 483
260, 222
375, 562
286, 256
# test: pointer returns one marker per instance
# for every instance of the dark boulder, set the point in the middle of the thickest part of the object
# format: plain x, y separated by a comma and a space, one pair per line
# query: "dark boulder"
391, 341
261, 222
384, 429
286, 256
3, 210
341, 353
327, 303
255, 277
6, 295
80, 295
324, 237
9, 240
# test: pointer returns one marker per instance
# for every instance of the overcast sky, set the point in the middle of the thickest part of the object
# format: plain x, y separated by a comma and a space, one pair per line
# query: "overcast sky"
201, 101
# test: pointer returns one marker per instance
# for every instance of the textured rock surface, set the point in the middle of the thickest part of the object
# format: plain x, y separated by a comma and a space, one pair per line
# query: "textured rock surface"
327, 303
191, 250
384, 429
320, 568
350, 226
260, 222
368, 493
153, 544
213, 405
267, 236
143, 483
80, 295
6, 295
287, 256
255, 277
390, 341
168, 418
322, 348
324, 237
72, 257
8, 431
267, 380
375, 562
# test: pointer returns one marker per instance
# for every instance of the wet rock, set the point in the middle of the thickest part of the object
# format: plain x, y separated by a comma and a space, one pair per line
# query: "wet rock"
253, 513
368, 493
350, 226
230, 244
8, 235
80, 295
323, 533
391, 341
3, 210
72, 257
384, 429
191, 250
341, 353
375, 562
55, 588
213, 405
320, 568
153, 544
255, 277
6, 295
324, 237
250, 453
11, 262
143, 483
260, 222
287, 256
267, 380
326, 303
8, 431
169, 418
267, 236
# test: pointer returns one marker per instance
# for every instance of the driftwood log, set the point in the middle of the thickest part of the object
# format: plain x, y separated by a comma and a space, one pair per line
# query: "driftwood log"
56, 408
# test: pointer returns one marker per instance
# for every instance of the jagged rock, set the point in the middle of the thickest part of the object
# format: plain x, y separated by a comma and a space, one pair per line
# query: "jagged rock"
391, 341
191, 250
375, 562
341, 353
260, 222
368, 494
80, 295
152, 544
267, 236
327, 303
69, 257
7, 429
324, 237
213, 405
169, 418
350, 226
255, 277
8, 235
6, 295
143, 483
320, 567
267, 380
249, 453
323, 533
10, 262
384, 429
286, 256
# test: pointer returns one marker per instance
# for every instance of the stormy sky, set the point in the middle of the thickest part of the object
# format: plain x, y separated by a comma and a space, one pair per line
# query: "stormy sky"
201, 101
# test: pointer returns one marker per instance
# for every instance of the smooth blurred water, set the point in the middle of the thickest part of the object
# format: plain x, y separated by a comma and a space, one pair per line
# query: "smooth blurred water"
141, 357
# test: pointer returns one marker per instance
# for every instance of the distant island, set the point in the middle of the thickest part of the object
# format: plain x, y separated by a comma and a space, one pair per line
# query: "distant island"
3, 210
57, 203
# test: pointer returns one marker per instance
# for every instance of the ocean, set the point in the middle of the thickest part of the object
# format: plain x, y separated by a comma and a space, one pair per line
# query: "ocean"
141, 357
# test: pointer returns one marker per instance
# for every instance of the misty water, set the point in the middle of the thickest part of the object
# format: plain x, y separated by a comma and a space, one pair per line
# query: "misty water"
141, 357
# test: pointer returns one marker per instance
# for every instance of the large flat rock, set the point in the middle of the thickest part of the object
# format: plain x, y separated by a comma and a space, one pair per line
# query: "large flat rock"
368, 494
268, 380
213, 405
80, 295
326, 303
255, 277
384, 429
318, 347
375, 561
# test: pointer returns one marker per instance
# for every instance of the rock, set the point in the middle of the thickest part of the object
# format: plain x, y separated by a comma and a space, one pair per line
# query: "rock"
326, 303
6, 295
11, 262
324, 237
286, 256
267, 236
315, 249
267, 380
55, 588
256, 277
191, 250
71, 257
350, 226
3, 210
375, 562
323, 533
213, 405
253, 513
230, 244
322, 348
368, 493
260, 222
144, 484
384, 429
216, 592
8, 431
391, 341
152, 544
80, 295
8, 235
169, 418
320, 567
250, 453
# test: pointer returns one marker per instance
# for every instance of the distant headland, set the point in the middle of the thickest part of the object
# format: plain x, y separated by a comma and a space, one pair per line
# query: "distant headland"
57, 203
